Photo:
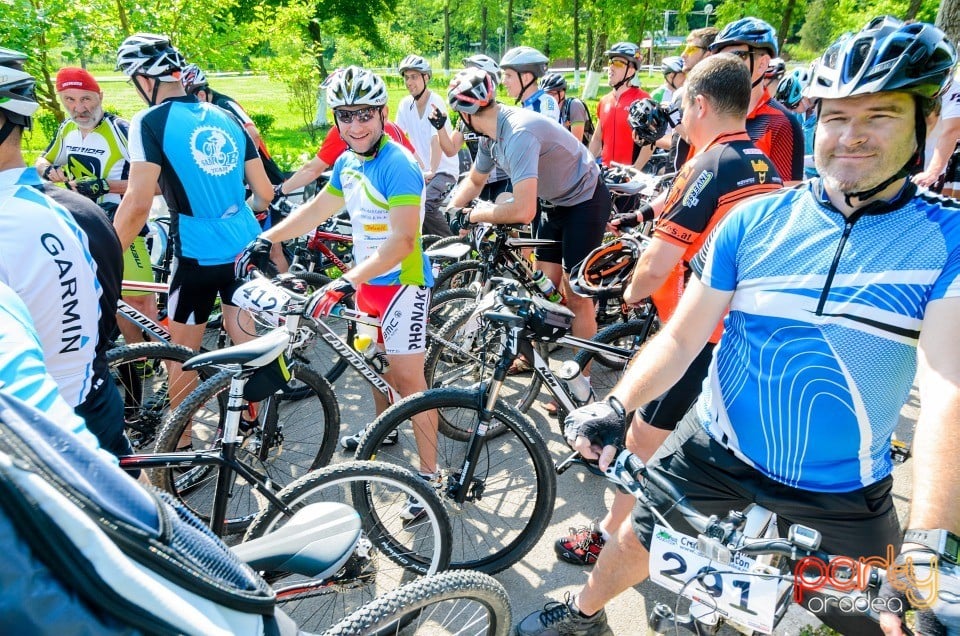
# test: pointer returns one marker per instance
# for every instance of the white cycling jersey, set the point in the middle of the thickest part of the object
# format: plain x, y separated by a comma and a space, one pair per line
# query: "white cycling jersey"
45, 259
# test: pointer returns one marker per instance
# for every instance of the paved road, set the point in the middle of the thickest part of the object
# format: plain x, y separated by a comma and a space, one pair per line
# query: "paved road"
540, 577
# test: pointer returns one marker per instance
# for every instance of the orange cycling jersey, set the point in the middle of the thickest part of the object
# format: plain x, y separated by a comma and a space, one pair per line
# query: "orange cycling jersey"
730, 169
616, 135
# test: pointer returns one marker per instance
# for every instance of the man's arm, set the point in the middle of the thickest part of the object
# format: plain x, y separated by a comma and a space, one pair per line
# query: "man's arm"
521, 208
941, 153
306, 217
307, 173
259, 184
135, 206
596, 142
450, 143
936, 444
405, 226
469, 188
652, 269
643, 156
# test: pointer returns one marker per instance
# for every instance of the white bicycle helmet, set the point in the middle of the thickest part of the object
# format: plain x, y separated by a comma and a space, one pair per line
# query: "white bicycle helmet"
193, 79
150, 55
485, 63
470, 90
525, 59
18, 99
415, 63
354, 86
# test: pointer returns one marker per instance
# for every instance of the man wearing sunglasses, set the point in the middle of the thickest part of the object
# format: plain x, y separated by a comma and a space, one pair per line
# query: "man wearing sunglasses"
382, 188
612, 142
771, 126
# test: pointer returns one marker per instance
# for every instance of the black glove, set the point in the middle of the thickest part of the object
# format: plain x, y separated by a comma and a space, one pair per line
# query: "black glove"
256, 255
47, 171
628, 220
602, 423
459, 218
437, 118
910, 583
92, 188
277, 193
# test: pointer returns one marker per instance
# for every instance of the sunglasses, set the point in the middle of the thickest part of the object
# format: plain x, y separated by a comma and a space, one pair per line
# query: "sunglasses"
617, 63
691, 49
363, 115
743, 55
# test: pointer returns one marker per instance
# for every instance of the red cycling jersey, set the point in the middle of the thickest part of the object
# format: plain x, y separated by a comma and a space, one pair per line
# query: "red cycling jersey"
333, 145
779, 135
617, 137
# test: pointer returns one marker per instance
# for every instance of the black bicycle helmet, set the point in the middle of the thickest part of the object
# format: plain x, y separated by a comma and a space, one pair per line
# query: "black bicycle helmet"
607, 269
193, 79
553, 82
626, 50
886, 55
753, 32
470, 90
649, 120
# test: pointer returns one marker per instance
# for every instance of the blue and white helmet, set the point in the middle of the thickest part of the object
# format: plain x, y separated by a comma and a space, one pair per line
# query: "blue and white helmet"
18, 98
354, 86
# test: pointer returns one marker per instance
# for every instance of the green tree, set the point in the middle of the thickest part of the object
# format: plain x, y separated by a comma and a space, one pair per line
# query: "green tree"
816, 33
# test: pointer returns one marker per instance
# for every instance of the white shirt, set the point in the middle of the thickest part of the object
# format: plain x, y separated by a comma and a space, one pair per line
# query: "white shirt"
949, 109
45, 259
421, 132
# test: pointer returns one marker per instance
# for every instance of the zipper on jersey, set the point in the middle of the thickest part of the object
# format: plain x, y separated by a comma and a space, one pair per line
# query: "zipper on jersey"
847, 228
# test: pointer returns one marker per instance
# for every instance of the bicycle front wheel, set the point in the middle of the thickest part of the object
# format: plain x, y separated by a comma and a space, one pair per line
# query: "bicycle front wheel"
449, 603
510, 496
290, 439
607, 368
393, 551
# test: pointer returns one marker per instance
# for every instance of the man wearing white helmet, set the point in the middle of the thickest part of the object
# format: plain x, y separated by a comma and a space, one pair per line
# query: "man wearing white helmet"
413, 116
382, 188
520, 69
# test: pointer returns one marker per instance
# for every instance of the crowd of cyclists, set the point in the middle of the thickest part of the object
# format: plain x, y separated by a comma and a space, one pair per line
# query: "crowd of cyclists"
796, 308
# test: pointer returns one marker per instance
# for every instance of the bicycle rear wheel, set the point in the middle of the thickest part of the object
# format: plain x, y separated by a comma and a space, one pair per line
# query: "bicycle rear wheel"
511, 496
448, 603
291, 438
457, 275
607, 369
393, 551
140, 372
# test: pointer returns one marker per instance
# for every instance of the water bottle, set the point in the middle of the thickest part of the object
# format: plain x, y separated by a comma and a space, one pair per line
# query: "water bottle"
577, 383
546, 285
366, 343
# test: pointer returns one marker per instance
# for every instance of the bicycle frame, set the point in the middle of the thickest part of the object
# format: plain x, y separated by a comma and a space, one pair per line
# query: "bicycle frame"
153, 329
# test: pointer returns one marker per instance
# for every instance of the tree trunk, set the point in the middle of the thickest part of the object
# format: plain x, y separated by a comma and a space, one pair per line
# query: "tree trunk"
124, 20
948, 18
589, 61
446, 35
483, 31
576, 38
598, 48
508, 36
913, 9
785, 22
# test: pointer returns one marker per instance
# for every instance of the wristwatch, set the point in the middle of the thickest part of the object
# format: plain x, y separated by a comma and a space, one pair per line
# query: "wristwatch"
943, 542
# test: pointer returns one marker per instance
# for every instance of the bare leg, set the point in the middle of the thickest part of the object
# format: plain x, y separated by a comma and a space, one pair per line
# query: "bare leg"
406, 375
147, 305
623, 563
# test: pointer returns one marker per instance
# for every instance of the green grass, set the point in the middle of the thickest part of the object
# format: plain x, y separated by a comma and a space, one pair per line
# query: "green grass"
290, 143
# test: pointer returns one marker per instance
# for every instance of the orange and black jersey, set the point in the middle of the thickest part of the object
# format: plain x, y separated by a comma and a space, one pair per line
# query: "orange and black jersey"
778, 133
730, 169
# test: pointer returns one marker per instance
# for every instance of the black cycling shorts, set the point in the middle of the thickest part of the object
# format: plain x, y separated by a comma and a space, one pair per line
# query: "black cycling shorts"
579, 228
860, 523
194, 289
668, 409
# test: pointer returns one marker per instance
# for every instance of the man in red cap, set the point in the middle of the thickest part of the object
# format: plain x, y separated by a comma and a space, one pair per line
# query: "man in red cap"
89, 154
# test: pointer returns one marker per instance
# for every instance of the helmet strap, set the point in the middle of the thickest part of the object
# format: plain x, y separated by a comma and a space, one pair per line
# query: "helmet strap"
8, 127
467, 120
524, 87
416, 98
371, 152
626, 78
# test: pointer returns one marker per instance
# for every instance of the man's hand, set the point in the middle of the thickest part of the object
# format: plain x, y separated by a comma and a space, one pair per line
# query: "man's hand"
437, 118
926, 178
459, 219
256, 255
54, 174
322, 301
596, 430
93, 189
912, 582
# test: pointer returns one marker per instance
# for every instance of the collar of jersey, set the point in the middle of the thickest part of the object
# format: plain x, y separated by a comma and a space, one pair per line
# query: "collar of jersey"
530, 100
384, 140
763, 102
19, 177
898, 200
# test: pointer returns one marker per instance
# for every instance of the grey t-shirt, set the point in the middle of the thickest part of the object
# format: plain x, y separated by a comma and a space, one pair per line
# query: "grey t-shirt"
529, 145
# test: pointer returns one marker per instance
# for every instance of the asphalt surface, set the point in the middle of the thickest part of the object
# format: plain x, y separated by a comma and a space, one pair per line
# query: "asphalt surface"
540, 577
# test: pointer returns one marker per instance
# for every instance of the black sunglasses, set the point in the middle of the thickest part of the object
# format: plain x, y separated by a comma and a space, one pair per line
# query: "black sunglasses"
363, 115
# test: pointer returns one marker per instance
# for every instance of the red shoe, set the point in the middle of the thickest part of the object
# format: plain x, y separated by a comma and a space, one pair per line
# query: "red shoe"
582, 546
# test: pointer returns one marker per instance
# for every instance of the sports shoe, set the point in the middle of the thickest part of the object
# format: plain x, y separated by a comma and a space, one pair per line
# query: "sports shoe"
351, 442
556, 619
582, 546
143, 368
158, 401
413, 509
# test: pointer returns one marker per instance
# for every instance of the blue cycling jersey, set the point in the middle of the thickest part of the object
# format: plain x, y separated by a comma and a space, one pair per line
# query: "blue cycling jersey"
818, 352
201, 150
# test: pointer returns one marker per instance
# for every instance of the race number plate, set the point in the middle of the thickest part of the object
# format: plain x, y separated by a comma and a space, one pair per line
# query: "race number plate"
263, 297
738, 591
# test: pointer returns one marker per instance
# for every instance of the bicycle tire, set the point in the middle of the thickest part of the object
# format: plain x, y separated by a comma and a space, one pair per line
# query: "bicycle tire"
400, 550
448, 603
306, 441
607, 370
446, 304
449, 240
140, 373
318, 354
512, 496
465, 352
456, 275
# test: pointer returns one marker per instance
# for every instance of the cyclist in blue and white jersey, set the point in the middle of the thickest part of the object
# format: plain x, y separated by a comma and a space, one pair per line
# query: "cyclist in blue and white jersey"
201, 156
520, 69
840, 292
381, 186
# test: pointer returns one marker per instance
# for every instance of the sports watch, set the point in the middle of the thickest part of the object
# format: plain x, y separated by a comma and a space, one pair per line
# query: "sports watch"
943, 542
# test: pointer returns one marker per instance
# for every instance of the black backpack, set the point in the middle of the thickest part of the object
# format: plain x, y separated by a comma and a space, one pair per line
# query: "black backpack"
587, 125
